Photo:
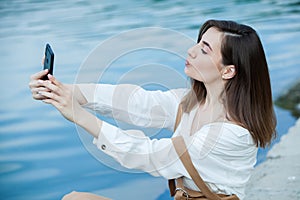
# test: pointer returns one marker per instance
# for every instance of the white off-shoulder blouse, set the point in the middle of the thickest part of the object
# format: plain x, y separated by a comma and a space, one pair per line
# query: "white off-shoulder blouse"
223, 153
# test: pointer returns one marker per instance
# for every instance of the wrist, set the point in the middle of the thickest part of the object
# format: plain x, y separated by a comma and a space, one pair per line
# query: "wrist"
77, 94
88, 121
79, 115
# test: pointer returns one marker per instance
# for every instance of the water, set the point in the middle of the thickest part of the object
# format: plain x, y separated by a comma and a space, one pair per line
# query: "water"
42, 156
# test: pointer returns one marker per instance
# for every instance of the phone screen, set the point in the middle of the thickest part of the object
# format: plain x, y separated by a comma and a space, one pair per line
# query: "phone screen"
49, 60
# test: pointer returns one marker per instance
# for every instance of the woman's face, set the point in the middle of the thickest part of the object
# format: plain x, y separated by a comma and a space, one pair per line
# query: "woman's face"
204, 60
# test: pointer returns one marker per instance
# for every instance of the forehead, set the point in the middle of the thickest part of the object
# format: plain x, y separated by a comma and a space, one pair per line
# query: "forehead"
214, 38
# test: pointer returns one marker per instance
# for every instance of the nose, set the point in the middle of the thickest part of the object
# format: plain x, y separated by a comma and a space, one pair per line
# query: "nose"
192, 52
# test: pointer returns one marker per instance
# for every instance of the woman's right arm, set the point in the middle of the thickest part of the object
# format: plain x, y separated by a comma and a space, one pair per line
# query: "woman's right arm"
132, 104
36, 86
128, 103
77, 94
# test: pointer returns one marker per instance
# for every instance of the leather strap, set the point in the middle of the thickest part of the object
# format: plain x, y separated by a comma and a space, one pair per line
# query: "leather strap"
185, 158
172, 187
191, 193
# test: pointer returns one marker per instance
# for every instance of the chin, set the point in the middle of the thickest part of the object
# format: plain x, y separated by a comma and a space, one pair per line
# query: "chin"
189, 73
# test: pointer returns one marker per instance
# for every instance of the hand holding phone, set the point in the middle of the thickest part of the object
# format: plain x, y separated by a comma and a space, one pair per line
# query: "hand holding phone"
49, 61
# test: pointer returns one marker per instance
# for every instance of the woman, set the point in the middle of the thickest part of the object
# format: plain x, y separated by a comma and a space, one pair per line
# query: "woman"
227, 114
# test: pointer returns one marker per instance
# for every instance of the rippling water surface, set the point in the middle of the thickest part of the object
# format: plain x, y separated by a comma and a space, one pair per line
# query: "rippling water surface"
41, 155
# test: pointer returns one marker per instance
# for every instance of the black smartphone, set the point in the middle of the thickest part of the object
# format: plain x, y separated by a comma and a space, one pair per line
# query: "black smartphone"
49, 60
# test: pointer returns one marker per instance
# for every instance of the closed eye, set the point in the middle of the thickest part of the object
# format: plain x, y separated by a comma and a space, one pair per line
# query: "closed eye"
204, 52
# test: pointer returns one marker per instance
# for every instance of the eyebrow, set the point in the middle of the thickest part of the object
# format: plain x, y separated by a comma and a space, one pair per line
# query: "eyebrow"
206, 43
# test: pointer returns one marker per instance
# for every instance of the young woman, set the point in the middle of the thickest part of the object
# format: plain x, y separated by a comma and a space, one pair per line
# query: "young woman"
226, 115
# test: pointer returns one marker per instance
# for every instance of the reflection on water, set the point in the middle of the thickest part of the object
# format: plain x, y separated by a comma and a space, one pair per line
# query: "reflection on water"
41, 154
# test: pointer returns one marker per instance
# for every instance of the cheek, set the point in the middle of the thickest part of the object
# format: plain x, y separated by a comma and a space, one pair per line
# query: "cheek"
207, 71
204, 65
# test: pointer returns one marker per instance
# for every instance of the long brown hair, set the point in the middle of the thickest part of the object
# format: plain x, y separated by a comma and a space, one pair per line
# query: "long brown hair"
248, 95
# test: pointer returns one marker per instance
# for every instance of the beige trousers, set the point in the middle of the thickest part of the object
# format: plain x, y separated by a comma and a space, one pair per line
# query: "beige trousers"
83, 196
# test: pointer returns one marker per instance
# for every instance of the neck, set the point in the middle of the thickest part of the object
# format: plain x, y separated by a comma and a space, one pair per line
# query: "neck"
213, 104
213, 97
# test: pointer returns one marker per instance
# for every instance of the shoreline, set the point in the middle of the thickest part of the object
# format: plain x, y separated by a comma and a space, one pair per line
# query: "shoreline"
278, 177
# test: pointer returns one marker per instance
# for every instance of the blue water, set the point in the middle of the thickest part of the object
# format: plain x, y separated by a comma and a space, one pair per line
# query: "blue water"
41, 154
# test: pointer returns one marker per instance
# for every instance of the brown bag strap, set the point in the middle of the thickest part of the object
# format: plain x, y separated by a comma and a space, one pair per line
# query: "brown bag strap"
185, 158
172, 187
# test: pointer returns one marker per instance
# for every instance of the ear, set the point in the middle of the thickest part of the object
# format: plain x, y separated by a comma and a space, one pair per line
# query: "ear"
228, 72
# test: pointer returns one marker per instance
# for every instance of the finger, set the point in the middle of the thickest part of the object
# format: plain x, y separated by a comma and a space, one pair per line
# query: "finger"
40, 89
54, 80
37, 95
39, 74
51, 87
47, 101
51, 101
50, 95
43, 59
37, 83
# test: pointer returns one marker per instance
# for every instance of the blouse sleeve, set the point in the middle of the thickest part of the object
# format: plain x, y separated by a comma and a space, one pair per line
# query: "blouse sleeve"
133, 150
134, 105
223, 154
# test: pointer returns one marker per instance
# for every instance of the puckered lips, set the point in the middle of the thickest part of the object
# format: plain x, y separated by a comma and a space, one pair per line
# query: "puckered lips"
187, 63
